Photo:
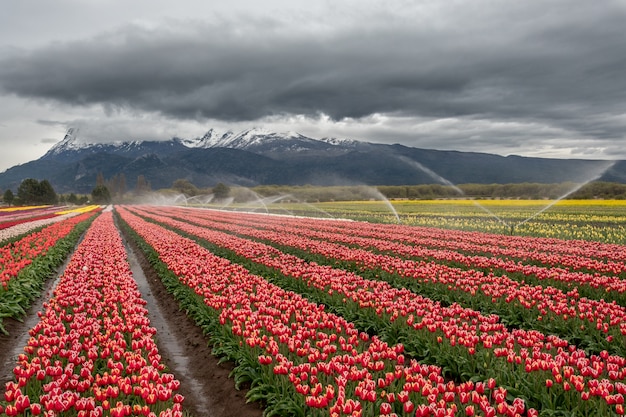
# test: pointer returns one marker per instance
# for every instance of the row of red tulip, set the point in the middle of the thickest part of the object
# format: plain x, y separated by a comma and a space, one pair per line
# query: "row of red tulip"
336, 368
464, 327
568, 255
93, 351
14, 256
575, 255
478, 242
608, 319
596, 277
483, 252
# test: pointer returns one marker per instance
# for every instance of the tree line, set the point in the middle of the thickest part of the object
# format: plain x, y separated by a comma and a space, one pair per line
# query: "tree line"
310, 193
531, 191
34, 192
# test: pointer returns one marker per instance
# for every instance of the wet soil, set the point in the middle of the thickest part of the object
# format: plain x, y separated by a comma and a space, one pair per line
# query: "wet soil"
184, 348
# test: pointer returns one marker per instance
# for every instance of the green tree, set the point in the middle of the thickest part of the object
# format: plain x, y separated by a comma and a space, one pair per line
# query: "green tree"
221, 191
28, 191
32, 191
8, 197
100, 195
48, 195
184, 186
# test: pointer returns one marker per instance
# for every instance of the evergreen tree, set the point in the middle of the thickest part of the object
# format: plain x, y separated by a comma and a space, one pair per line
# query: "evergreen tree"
8, 197
28, 191
48, 196
32, 191
100, 195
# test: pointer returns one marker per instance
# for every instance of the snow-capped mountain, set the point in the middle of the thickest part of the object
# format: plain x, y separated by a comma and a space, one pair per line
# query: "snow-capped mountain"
257, 156
72, 148
261, 141
250, 138
69, 143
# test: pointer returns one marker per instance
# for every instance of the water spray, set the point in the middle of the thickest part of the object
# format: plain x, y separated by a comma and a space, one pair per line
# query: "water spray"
608, 166
444, 181
510, 227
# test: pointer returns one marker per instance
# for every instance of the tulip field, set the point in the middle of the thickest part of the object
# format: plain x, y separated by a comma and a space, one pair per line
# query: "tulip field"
93, 350
34, 242
318, 317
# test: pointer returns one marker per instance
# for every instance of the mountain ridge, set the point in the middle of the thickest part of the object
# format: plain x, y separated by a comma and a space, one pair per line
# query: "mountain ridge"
246, 139
259, 157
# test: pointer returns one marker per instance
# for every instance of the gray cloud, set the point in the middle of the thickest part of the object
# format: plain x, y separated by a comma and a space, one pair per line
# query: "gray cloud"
45, 122
554, 66
49, 141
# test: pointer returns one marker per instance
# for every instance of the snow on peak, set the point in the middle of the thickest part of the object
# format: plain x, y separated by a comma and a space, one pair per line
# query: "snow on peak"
339, 141
248, 139
69, 143
213, 138
256, 131
241, 140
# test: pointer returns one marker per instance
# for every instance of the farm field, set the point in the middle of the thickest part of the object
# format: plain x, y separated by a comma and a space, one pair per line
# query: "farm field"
599, 220
326, 317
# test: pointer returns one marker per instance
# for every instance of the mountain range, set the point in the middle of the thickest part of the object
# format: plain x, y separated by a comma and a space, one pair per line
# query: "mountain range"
256, 156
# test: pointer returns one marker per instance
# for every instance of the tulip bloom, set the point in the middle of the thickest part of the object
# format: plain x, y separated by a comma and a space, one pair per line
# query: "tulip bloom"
93, 348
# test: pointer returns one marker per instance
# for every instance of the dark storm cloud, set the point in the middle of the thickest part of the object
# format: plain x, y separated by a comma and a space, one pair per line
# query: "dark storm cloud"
555, 62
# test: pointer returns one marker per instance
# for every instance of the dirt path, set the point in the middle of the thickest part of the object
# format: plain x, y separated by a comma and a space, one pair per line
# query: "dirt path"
205, 384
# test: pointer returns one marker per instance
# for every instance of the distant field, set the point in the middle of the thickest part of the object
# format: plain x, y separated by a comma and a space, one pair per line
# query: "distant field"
599, 220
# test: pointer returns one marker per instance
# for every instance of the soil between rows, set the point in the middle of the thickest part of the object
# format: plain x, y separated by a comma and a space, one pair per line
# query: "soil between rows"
184, 348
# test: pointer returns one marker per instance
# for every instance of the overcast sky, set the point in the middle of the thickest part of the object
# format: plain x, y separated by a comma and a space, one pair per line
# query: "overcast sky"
536, 78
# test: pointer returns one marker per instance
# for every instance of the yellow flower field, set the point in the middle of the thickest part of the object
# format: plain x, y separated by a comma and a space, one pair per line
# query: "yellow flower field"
83, 209
21, 208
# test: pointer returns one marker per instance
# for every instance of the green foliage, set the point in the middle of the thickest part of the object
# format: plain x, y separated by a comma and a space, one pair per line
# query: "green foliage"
32, 191
310, 193
601, 189
8, 197
100, 195
184, 186
221, 191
